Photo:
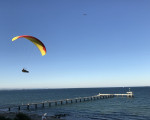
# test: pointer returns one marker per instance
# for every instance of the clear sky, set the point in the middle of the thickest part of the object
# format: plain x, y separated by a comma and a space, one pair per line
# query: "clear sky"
90, 43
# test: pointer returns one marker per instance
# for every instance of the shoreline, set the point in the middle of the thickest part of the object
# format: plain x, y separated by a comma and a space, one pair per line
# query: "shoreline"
12, 115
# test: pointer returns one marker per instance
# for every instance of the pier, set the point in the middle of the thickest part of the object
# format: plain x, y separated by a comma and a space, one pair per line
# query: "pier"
128, 94
67, 101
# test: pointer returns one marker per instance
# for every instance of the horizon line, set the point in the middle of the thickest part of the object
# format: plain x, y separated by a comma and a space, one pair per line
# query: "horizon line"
67, 88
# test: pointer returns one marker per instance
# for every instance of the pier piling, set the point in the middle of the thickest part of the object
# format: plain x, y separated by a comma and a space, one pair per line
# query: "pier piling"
28, 107
49, 104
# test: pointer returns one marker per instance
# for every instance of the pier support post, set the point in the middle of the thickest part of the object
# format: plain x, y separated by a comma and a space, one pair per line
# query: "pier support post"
91, 98
56, 103
49, 104
28, 107
43, 105
35, 106
19, 108
88, 99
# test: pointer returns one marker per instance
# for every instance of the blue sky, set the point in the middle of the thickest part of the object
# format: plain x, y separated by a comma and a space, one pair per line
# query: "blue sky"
107, 47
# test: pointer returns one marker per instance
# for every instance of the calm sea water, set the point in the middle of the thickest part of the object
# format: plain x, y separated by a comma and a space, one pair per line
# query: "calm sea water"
117, 108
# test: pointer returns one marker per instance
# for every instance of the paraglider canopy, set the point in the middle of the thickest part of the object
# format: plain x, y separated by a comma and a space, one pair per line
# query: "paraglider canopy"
34, 40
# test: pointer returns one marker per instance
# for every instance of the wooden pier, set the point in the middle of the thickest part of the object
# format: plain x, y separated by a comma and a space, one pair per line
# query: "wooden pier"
67, 101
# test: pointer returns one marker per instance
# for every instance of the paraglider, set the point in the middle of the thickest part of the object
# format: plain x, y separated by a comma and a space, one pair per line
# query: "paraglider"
34, 40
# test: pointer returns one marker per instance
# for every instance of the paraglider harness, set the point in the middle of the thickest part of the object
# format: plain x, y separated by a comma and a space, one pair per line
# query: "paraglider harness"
23, 70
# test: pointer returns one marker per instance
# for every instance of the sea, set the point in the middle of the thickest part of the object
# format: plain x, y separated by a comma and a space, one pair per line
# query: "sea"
116, 108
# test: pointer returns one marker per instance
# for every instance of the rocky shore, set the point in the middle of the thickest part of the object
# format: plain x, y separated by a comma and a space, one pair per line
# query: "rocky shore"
12, 115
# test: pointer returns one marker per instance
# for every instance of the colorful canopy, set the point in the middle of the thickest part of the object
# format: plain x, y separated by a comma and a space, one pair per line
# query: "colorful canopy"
34, 40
